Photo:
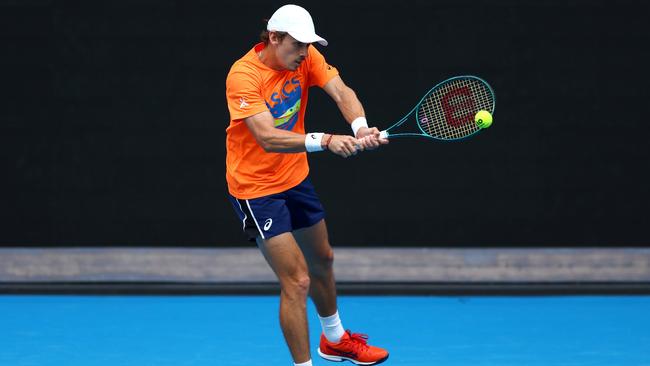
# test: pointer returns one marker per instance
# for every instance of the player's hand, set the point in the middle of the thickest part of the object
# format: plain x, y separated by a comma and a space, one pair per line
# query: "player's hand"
369, 138
344, 145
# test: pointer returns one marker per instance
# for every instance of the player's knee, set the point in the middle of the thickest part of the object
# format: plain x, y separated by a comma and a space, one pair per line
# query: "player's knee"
296, 287
327, 259
324, 263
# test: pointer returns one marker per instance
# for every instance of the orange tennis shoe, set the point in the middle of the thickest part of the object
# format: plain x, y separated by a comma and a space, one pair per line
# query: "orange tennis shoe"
353, 347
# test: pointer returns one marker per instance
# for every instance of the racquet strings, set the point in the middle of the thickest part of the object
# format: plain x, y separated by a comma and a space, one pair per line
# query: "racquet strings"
448, 111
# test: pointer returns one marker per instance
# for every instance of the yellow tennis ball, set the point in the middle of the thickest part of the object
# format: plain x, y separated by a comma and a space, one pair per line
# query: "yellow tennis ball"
483, 119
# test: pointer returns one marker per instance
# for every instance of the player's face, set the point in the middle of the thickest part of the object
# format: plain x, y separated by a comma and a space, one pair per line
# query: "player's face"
290, 53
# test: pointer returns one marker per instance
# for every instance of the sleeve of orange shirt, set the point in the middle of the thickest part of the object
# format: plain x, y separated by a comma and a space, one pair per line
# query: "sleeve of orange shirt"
320, 72
244, 93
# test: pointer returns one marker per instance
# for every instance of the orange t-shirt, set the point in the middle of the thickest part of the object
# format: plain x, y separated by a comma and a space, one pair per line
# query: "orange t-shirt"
252, 88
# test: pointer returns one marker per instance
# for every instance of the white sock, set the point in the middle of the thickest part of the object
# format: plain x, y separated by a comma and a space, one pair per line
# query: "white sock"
332, 327
308, 363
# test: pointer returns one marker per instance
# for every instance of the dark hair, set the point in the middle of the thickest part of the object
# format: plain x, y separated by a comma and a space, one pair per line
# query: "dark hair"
264, 36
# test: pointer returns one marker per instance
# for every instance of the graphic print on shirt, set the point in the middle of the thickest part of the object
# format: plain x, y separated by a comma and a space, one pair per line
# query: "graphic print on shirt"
285, 104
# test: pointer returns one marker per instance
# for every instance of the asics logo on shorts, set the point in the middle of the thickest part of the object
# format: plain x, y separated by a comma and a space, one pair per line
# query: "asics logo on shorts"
267, 224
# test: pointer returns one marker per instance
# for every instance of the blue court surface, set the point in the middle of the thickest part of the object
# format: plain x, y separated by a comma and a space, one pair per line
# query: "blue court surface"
244, 330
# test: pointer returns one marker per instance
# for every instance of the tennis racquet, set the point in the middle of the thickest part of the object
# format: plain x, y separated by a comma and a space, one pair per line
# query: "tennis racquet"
447, 111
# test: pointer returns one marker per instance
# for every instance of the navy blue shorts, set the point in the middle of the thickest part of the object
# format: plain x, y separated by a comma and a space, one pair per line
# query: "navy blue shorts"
272, 215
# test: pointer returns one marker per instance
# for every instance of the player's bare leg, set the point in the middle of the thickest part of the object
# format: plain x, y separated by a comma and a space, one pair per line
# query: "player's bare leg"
335, 343
287, 261
316, 248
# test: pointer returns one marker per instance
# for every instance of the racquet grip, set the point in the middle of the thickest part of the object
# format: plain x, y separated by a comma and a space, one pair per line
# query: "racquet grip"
382, 135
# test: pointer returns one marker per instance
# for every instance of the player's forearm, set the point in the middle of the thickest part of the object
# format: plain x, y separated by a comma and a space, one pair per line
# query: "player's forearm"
281, 141
350, 105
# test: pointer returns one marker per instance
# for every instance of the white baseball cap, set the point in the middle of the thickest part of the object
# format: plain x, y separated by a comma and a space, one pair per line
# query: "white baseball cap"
296, 21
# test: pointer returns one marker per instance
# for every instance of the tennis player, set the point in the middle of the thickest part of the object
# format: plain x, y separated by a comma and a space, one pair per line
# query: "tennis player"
268, 176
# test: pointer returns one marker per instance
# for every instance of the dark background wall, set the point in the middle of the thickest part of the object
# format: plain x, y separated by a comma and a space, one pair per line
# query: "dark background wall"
113, 122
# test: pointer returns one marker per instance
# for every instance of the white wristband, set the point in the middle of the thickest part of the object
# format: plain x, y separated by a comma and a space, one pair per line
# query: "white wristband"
313, 141
357, 124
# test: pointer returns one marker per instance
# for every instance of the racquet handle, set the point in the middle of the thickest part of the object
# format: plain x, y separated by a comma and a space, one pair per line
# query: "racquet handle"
382, 135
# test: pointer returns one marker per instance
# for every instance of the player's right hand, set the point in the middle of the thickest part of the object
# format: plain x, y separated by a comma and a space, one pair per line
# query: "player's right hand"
344, 145
369, 138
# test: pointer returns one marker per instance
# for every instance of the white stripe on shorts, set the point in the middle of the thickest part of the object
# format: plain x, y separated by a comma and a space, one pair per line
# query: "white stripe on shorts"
254, 219
245, 216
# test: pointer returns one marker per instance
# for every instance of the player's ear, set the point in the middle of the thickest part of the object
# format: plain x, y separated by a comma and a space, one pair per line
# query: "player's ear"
275, 38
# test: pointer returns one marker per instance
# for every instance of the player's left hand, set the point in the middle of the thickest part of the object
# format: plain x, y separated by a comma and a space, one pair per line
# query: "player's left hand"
369, 138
